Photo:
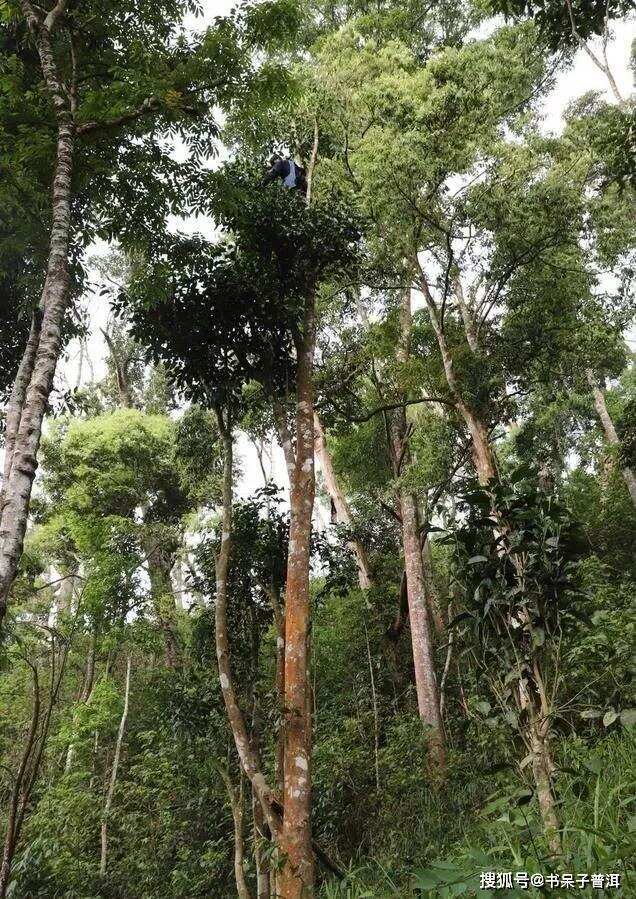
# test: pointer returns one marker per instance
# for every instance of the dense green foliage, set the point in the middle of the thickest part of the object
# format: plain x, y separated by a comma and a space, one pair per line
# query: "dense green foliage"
474, 285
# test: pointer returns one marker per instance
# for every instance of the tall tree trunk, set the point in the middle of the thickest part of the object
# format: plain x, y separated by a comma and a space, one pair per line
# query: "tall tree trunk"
343, 510
279, 618
260, 830
297, 877
610, 431
18, 394
423, 656
54, 302
421, 639
113, 774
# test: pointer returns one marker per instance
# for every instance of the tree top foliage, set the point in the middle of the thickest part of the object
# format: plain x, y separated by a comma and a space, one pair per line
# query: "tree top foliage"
554, 18
242, 298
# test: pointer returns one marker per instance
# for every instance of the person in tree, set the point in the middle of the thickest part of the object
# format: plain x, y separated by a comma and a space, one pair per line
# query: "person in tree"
290, 173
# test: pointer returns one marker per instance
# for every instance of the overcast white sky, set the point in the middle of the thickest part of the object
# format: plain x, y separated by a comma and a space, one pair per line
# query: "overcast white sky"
583, 76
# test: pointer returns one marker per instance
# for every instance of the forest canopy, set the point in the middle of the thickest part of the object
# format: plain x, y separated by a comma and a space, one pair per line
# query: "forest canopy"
318, 497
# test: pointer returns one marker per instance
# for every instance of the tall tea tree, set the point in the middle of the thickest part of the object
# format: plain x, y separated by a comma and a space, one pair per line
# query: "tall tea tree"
247, 310
116, 80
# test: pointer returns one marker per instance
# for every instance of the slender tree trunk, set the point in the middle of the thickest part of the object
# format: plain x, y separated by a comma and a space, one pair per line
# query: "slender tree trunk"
260, 830
55, 298
432, 593
261, 835
466, 314
376, 716
533, 702
483, 457
343, 510
29, 767
393, 634
447, 664
236, 804
113, 774
160, 558
279, 620
422, 643
423, 656
121, 375
10, 839
85, 694
541, 769
247, 758
297, 877
610, 431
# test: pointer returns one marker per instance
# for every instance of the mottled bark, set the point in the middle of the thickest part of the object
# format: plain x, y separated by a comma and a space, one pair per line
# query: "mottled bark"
54, 302
339, 500
113, 774
610, 431
17, 397
541, 769
533, 703
297, 878
279, 621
